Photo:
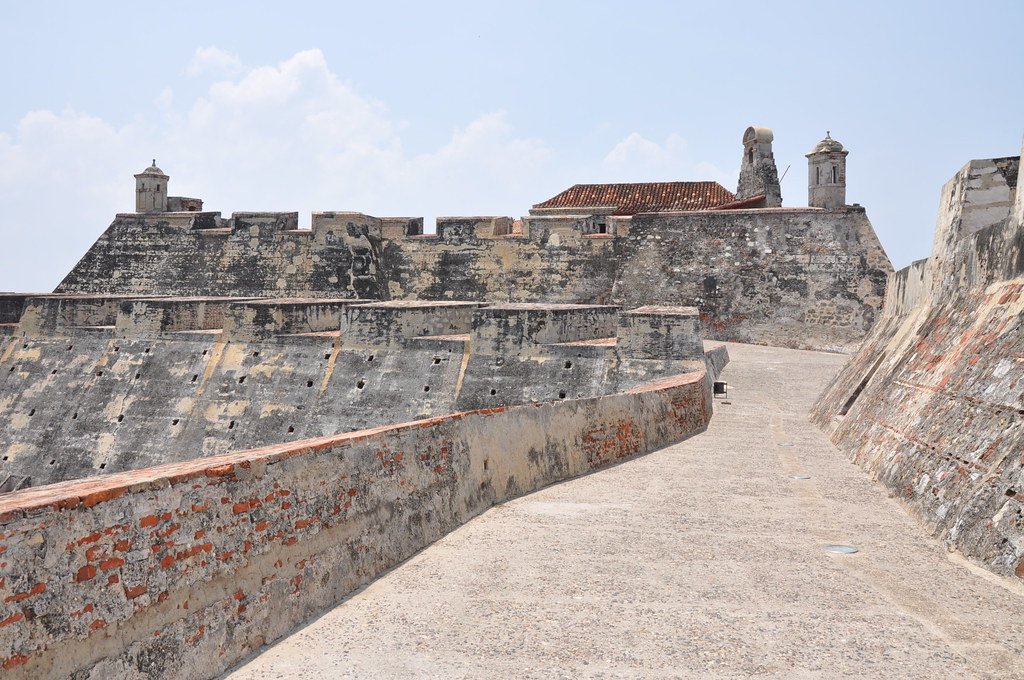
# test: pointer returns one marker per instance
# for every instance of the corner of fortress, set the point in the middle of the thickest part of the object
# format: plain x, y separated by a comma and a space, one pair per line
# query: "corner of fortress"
931, 403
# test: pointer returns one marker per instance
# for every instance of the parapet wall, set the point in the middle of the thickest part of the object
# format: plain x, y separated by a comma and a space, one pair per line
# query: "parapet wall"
93, 385
803, 277
931, 404
180, 570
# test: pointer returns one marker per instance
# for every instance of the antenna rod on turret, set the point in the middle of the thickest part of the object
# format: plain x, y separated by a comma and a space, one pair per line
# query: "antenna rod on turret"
785, 171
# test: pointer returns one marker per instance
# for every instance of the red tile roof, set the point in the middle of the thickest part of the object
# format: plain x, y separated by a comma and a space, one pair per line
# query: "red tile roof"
629, 199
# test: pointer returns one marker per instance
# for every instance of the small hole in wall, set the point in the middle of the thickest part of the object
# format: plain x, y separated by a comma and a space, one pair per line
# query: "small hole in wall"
487, 463
426, 388
99, 373
174, 422
327, 356
369, 358
1011, 492
116, 348
437, 360
53, 372
204, 352
74, 416
138, 375
568, 364
256, 353
361, 384
290, 429
32, 412
103, 466
12, 370
25, 346
241, 380
195, 377
53, 461
70, 347
493, 392
145, 351
309, 383
5, 458
561, 395
231, 425
120, 418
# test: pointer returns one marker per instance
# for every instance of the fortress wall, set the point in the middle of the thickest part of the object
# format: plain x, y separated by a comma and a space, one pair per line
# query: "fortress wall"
158, 381
159, 571
931, 404
801, 277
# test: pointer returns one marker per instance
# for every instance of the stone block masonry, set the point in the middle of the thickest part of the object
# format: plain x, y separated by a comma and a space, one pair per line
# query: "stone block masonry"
931, 404
178, 571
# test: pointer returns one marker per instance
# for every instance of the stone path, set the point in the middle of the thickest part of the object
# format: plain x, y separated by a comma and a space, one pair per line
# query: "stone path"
701, 560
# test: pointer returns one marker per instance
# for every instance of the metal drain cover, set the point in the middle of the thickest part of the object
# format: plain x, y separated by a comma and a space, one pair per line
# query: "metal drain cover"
840, 548
799, 476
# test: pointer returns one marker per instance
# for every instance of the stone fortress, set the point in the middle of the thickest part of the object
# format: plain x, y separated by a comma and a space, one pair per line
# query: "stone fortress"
216, 428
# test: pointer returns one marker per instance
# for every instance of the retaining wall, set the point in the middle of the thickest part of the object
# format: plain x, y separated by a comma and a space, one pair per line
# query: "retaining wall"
932, 403
179, 571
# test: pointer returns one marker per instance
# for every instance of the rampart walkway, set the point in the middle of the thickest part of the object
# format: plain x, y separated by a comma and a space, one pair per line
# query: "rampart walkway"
703, 559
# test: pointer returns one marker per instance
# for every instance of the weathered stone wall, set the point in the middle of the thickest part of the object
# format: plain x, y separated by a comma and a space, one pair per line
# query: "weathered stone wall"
178, 571
801, 277
96, 385
931, 404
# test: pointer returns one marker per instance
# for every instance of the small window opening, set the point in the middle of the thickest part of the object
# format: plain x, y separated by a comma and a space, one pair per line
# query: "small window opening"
327, 356
116, 348
817, 175
25, 346
835, 175
561, 395
145, 351
437, 360
750, 155
70, 347
486, 463
241, 380
5, 458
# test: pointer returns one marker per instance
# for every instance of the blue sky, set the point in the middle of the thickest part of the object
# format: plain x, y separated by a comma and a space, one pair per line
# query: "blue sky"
483, 108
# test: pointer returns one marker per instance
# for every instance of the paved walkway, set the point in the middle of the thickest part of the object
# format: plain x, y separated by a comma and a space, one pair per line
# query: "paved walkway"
701, 560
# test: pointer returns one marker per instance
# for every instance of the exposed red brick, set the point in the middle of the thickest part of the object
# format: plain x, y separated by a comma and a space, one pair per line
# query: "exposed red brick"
111, 563
148, 521
134, 591
13, 618
85, 573
15, 660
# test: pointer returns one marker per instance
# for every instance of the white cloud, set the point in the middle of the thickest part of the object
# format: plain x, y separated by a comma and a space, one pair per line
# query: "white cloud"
638, 159
290, 136
215, 61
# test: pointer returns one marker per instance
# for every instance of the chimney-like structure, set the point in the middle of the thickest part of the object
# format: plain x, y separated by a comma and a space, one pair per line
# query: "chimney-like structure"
758, 174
